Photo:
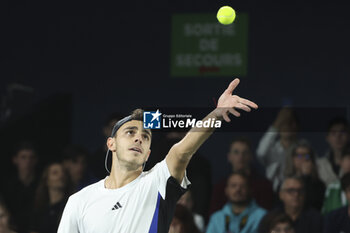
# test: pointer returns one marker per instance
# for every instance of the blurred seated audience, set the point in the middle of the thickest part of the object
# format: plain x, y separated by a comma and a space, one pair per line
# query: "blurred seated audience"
338, 220
51, 197
75, 162
5, 218
276, 143
241, 213
302, 162
241, 160
337, 138
19, 191
182, 221
278, 223
187, 201
335, 197
292, 195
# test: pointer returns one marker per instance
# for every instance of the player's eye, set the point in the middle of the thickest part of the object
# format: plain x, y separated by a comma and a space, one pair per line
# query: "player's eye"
146, 137
130, 132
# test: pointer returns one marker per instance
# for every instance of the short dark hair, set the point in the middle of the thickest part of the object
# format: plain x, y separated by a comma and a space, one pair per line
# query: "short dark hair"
244, 140
137, 115
345, 181
338, 121
241, 174
276, 218
25, 145
292, 177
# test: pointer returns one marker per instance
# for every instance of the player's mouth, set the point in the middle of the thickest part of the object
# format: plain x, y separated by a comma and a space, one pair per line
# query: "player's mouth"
136, 149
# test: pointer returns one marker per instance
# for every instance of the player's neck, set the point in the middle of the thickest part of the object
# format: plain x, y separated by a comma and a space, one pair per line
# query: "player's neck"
119, 178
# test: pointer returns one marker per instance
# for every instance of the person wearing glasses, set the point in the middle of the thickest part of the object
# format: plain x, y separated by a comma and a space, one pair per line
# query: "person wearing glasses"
301, 161
292, 196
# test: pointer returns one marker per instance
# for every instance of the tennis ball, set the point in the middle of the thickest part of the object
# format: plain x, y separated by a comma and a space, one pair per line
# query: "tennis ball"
226, 15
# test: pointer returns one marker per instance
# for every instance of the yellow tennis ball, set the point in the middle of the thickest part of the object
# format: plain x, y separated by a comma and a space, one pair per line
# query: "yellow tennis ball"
226, 15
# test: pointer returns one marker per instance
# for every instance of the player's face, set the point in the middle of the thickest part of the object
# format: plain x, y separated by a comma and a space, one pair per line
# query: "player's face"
237, 189
132, 144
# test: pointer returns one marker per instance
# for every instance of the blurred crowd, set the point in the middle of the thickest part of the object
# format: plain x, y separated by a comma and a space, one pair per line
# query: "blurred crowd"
283, 185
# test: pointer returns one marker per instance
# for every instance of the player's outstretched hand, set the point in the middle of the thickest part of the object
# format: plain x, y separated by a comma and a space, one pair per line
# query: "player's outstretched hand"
228, 103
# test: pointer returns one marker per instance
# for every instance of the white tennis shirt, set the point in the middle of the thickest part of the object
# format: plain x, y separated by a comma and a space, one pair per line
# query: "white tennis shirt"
145, 205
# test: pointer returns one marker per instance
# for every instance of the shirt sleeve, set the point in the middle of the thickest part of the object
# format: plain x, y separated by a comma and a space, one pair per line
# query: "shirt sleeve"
163, 175
69, 220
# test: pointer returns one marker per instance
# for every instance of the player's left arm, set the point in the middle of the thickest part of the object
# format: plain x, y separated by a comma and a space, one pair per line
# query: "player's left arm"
180, 154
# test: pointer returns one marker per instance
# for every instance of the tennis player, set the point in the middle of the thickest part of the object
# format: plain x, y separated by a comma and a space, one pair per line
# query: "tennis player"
130, 200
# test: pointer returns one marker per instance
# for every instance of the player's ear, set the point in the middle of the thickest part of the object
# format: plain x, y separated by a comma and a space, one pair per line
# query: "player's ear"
111, 143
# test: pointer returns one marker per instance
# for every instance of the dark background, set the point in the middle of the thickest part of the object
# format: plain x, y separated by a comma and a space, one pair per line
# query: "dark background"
87, 59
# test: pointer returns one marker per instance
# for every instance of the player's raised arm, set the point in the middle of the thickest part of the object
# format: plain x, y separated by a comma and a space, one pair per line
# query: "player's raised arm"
180, 154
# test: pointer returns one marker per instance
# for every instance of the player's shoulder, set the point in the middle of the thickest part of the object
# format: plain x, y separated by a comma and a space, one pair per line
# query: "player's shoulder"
86, 192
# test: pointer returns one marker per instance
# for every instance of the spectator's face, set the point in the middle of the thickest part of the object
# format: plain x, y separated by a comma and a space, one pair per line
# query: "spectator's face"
25, 160
283, 228
337, 137
292, 194
76, 168
239, 156
131, 144
345, 164
4, 218
56, 178
237, 190
302, 160
186, 200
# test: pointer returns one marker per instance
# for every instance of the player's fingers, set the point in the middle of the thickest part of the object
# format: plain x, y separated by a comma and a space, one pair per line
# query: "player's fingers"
232, 86
243, 107
226, 118
248, 103
234, 112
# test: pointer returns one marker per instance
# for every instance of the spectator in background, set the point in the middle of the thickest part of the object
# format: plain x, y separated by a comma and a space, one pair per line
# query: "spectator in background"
97, 160
337, 138
20, 189
5, 218
182, 221
276, 143
241, 160
338, 220
51, 197
302, 162
335, 197
187, 201
278, 223
241, 213
305, 220
75, 162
